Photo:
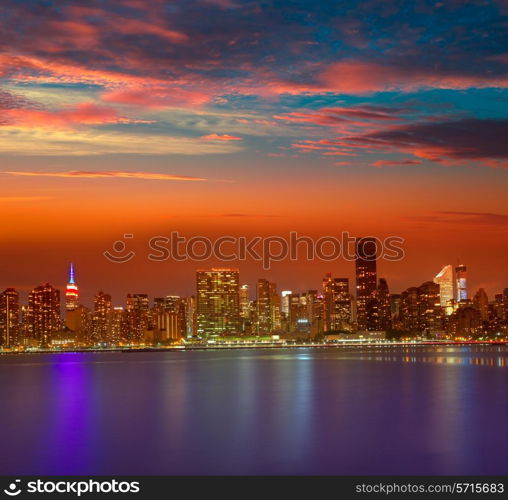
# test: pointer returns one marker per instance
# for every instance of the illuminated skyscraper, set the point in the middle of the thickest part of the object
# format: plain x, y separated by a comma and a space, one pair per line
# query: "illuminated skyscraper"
384, 306
263, 309
71, 293
337, 303
43, 315
461, 280
366, 277
244, 301
9, 318
445, 281
102, 317
218, 301
137, 315
284, 305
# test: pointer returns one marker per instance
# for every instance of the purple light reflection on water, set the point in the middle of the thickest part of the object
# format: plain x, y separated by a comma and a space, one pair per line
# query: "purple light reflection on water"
423, 410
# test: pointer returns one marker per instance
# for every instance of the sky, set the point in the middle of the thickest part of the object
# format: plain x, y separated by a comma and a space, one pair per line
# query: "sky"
245, 118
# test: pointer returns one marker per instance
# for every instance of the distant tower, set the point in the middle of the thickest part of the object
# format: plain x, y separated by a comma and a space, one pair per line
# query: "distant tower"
461, 280
71, 293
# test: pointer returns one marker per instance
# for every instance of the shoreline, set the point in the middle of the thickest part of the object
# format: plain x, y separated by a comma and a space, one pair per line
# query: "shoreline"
214, 347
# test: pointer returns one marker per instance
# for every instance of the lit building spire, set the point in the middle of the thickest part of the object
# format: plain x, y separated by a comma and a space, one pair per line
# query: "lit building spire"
71, 293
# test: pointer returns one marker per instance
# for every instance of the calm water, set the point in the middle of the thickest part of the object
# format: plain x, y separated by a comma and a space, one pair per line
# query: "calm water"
424, 410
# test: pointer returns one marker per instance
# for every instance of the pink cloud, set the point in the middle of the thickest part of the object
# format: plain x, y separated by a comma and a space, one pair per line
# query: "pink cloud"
156, 97
73, 174
390, 163
221, 137
83, 114
355, 77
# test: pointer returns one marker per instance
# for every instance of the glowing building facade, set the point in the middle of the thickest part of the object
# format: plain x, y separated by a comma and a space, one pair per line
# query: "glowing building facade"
218, 302
445, 281
461, 280
71, 292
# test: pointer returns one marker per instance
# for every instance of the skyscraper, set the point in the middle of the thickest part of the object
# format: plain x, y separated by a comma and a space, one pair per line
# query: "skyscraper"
461, 280
244, 301
102, 317
71, 293
218, 301
366, 277
263, 307
9, 318
43, 315
337, 303
445, 281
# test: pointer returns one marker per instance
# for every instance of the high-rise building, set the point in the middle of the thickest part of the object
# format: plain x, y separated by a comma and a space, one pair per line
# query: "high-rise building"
102, 317
445, 281
366, 277
43, 315
244, 301
9, 318
420, 309
384, 306
137, 316
337, 303
263, 307
461, 280
218, 301
71, 292
284, 303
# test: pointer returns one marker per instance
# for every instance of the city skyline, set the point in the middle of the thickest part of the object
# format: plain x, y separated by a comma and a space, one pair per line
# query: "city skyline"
220, 118
222, 306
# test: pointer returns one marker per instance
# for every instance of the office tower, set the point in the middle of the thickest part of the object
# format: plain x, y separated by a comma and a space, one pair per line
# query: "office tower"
268, 307
337, 303
366, 277
9, 318
244, 301
445, 281
218, 302
481, 303
171, 318
284, 303
420, 309
384, 306
429, 308
461, 280
71, 292
137, 316
102, 317
119, 326
263, 307
190, 311
43, 315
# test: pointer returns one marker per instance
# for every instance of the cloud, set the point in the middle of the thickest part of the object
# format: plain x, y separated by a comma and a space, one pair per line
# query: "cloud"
466, 218
86, 113
113, 174
79, 142
469, 138
220, 137
390, 163
362, 77
448, 142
